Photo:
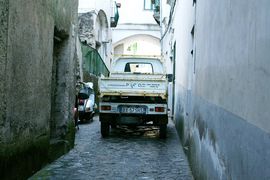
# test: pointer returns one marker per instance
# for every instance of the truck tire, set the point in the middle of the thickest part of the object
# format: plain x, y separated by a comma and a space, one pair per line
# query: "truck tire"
163, 131
105, 129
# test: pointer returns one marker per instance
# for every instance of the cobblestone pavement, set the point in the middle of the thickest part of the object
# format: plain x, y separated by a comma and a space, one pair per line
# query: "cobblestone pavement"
126, 154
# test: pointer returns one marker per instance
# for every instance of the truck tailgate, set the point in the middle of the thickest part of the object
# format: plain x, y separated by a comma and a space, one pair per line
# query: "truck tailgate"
133, 87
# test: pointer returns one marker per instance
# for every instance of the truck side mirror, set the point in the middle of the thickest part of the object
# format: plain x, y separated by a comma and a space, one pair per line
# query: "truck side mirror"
170, 77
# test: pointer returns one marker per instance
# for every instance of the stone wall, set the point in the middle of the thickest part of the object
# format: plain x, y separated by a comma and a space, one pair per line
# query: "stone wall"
86, 28
37, 83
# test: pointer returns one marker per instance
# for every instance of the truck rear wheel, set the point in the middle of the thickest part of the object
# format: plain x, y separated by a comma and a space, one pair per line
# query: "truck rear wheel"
105, 129
163, 131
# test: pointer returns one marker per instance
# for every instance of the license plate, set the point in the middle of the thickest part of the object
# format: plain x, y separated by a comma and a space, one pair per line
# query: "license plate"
133, 109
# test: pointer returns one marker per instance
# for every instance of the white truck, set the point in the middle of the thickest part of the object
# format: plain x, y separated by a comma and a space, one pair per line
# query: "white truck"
135, 94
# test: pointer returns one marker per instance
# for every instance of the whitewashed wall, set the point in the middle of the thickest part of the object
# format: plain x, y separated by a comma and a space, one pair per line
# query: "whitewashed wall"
222, 97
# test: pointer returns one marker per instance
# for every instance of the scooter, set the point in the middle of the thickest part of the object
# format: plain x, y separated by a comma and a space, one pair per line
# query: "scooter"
86, 102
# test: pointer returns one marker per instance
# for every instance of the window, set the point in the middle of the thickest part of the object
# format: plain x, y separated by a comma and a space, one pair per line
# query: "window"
139, 68
148, 5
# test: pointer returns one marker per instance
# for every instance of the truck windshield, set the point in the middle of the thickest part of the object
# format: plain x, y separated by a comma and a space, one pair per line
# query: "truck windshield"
136, 67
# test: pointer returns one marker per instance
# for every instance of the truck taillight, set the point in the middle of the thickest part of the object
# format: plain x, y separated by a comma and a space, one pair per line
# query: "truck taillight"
106, 108
159, 109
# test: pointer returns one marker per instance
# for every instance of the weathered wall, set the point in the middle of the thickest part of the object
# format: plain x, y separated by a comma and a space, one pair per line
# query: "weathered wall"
64, 64
86, 28
222, 95
27, 110
3, 61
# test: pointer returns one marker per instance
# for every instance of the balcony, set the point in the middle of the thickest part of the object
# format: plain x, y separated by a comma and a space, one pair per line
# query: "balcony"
92, 62
115, 13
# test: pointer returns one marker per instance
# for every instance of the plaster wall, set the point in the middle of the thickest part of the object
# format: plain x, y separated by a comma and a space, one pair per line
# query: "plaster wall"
232, 66
233, 57
221, 94
178, 34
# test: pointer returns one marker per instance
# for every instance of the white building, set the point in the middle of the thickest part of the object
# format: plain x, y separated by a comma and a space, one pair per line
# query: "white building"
137, 32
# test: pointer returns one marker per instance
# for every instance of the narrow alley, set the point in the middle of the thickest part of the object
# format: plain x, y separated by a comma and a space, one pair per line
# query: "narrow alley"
198, 71
124, 155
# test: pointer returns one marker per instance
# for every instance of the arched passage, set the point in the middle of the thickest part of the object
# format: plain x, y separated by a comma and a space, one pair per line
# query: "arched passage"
140, 44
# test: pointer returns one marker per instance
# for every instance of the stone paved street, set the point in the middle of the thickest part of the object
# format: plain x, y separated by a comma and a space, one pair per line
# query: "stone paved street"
125, 154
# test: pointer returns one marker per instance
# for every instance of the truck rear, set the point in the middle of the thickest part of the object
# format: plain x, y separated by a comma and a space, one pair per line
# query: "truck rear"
135, 94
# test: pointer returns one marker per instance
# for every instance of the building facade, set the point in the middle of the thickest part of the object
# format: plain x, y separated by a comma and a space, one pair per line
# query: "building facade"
137, 32
37, 83
96, 20
218, 52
